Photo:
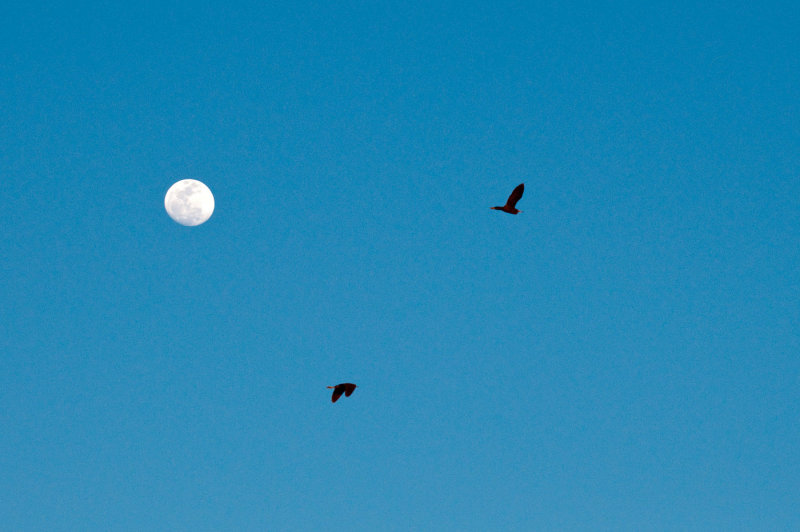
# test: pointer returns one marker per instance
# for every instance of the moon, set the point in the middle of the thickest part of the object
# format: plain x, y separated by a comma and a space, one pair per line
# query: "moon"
189, 202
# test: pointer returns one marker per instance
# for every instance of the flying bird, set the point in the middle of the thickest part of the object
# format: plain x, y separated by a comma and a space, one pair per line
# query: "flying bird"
510, 206
345, 388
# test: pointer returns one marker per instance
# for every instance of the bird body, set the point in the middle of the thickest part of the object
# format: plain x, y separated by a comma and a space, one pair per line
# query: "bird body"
511, 205
345, 388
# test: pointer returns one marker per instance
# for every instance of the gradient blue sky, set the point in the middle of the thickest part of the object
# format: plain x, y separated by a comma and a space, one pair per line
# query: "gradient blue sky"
624, 354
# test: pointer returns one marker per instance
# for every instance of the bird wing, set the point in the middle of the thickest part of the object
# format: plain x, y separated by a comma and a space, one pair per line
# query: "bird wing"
515, 196
348, 389
337, 393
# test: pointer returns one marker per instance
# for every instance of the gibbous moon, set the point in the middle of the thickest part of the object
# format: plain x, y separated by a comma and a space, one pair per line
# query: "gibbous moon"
189, 202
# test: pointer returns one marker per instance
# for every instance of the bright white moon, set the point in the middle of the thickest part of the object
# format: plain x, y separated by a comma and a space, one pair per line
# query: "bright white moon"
189, 202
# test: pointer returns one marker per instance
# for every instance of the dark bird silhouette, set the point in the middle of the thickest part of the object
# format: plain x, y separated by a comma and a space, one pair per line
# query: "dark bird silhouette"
345, 388
511, 205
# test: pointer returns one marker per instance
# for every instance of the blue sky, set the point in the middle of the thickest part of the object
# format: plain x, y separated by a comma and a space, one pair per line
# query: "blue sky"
621, 355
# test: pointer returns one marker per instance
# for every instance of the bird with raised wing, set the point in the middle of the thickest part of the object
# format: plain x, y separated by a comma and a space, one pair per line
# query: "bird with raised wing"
345, 388
511, 205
